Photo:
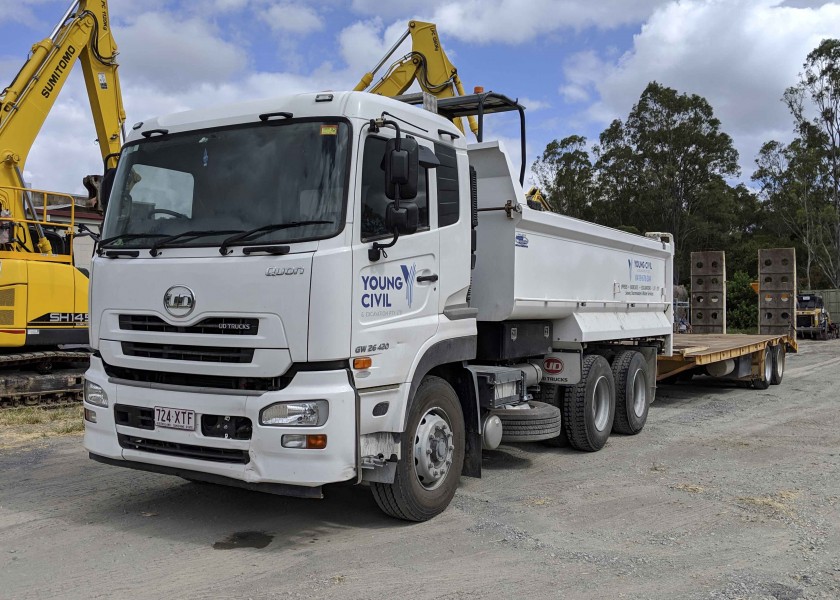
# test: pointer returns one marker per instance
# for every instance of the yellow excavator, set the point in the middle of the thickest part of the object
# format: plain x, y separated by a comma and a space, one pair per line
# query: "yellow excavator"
427, 64
43, 297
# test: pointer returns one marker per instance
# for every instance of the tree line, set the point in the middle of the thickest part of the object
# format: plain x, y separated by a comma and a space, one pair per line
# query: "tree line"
669, 166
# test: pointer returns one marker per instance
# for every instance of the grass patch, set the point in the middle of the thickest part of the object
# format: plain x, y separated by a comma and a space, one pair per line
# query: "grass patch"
688, 487
19, 426
779, 503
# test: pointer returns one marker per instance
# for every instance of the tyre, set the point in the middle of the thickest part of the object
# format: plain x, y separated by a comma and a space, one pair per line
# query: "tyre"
432, 455
763, 382
632, 388
539, 422
779, 352
553, 395
589, 407
548, 393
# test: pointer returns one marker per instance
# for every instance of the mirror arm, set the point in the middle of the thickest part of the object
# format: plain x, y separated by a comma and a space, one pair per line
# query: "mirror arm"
375, 124
376, 251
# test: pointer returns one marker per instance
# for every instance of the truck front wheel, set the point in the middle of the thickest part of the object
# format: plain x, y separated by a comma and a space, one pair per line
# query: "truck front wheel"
589, 407
432, 455
630, 371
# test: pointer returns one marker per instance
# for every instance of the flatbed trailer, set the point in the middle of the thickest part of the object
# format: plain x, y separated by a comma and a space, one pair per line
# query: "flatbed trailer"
758, 359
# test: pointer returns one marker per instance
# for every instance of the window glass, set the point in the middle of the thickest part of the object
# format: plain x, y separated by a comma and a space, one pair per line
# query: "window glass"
374, 200
289, 177
447, 185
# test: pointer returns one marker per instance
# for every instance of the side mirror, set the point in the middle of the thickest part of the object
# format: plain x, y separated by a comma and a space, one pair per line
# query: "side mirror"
105, 188
401, 168
403, 220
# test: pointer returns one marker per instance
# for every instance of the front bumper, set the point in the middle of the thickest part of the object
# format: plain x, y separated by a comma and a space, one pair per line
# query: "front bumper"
267, 461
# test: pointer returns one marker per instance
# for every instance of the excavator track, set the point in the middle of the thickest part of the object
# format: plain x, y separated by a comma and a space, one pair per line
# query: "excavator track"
48, 378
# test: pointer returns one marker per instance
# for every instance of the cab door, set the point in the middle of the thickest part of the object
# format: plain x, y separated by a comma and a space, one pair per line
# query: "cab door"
395, 299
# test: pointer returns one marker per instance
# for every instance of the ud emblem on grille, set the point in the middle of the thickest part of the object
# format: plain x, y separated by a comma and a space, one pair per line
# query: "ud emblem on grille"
179, 301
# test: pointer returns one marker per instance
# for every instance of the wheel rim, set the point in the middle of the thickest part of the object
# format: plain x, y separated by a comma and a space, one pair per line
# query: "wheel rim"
768, 366
639, 392
601, 403
433, 448
779, 363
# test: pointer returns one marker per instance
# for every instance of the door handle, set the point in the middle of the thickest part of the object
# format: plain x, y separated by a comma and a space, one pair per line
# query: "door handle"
422, 278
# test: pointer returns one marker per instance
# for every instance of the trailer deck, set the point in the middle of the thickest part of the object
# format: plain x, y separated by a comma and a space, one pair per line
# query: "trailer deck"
695, 350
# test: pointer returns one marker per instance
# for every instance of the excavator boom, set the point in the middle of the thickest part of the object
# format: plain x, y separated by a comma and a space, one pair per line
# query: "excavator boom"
427, 64
83, 35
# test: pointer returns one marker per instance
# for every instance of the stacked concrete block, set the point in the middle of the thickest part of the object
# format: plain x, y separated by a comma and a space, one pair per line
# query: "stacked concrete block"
708, 292
777, 291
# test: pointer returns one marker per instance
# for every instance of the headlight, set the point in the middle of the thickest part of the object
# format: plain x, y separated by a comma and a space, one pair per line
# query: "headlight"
309, 413
94, 394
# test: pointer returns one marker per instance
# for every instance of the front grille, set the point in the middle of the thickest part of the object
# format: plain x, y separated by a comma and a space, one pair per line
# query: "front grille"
213, 325
7, 317
134, 416
194, 353
262, 384
804, 321
221, 455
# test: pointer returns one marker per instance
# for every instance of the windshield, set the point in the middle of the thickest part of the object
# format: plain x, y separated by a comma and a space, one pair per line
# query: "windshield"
215, 183
809, 302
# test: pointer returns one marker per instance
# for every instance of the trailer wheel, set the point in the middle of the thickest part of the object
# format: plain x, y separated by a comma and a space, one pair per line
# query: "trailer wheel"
539, 422
630, 371
763, 382
432, 455
589, 406
778, 364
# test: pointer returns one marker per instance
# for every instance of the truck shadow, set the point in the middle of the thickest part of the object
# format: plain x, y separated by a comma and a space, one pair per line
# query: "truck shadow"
672, 395
47, 483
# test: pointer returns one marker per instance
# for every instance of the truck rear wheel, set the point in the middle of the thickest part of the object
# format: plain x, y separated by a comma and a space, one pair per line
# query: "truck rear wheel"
553, 395
630, 371
763, 382
778, 364
589, 406
432, 455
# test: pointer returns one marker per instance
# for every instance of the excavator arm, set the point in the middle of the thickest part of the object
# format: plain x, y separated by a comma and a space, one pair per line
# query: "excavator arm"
427, 64
83, 35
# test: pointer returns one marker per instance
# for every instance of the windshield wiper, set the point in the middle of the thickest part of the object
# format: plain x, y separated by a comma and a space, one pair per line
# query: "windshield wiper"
246, 235
166, 241
129, 236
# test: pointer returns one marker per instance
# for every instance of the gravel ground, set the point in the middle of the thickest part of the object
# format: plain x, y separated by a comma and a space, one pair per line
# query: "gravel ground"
727, 493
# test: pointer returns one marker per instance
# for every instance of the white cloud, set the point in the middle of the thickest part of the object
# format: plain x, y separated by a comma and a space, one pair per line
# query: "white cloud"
532, 105
292, 18
229, 5
583, 71
21, 11
520, 21
739, 55
511, 21
364, 43
174, 53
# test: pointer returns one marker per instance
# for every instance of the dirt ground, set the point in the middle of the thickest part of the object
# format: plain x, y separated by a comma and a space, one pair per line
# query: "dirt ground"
727, 493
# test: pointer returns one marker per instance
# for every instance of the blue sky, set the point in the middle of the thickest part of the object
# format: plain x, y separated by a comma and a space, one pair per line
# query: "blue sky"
575, 64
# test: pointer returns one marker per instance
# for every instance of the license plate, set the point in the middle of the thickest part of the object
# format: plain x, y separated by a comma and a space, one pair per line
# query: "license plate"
174, 418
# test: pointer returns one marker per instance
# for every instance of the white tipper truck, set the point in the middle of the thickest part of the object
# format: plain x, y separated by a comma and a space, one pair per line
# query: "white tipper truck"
337, 287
